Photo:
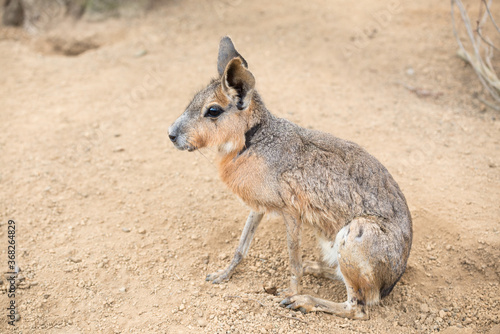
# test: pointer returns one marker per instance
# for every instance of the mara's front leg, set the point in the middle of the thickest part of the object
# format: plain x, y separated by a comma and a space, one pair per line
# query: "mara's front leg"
253, 220
294, 237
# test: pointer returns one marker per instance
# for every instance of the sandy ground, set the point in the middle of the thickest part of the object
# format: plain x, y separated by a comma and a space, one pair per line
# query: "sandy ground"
116, 229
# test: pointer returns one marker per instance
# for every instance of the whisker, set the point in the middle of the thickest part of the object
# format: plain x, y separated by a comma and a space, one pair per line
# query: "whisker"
203, 155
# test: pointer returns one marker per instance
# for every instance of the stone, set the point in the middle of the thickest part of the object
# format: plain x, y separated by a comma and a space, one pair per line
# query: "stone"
424, 308
202, 322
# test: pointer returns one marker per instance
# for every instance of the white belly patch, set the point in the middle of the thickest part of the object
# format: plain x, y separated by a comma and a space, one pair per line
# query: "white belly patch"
329, 250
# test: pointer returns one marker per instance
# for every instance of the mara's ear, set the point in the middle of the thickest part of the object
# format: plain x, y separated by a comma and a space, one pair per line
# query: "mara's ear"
238, 83
226, 53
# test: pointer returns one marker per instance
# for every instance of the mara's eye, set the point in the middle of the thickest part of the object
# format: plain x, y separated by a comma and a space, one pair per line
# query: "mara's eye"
214, 111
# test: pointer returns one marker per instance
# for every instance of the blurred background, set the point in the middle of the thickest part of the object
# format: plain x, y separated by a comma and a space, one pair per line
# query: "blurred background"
116, 229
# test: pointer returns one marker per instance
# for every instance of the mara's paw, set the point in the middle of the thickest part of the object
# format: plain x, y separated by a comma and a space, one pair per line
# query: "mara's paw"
302, 303
218, 277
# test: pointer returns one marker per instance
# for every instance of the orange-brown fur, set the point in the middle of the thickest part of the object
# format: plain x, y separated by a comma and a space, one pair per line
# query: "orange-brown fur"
246, 177
205, 134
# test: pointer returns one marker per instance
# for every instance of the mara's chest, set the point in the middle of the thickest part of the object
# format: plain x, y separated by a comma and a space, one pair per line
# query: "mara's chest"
249, 177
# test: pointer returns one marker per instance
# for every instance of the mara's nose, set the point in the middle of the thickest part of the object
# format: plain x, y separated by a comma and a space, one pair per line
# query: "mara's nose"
172, 137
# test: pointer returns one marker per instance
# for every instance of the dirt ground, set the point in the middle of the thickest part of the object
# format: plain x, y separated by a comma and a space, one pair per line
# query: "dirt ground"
116, 229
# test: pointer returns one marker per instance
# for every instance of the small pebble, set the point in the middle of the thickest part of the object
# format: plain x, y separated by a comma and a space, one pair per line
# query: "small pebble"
122, 289
202, 322
140, 53
125, 229
424, 308
141, 231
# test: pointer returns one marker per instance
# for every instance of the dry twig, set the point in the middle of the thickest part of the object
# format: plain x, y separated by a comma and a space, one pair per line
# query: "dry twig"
420, 92
480, 57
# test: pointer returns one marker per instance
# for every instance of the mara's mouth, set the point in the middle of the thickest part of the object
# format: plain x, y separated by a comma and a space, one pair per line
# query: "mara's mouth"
186, 147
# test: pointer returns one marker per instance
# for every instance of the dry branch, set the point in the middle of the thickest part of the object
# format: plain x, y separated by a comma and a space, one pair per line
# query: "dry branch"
482, 53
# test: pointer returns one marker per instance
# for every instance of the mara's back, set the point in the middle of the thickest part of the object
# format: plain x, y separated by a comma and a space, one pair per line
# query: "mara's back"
327, 180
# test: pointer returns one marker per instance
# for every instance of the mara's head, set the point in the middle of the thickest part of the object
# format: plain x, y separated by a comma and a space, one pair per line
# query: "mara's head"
219, 115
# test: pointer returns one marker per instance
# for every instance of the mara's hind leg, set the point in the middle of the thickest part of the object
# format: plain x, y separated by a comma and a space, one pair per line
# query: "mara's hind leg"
370, 260
307, 303
353, 308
